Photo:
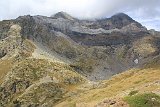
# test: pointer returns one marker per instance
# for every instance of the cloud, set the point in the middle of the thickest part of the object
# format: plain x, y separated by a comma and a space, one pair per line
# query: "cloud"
84, 9
152, 23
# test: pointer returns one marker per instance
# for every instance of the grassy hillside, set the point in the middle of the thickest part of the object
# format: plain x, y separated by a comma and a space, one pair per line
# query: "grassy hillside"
134, 81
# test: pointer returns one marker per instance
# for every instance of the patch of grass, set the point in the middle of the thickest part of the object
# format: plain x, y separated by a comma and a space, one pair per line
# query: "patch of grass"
137, 82
133, 92
30, 45
153, 63
85, 64
72, 104
122, 52
143, 100
5, 67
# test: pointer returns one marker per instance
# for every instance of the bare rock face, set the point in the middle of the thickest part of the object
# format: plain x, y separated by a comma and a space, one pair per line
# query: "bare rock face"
63, 15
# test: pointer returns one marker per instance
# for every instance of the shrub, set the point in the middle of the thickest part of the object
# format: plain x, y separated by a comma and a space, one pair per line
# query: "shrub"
143, 100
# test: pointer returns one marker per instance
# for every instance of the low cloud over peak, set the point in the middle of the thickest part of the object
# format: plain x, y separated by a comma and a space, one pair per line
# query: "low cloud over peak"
84, 9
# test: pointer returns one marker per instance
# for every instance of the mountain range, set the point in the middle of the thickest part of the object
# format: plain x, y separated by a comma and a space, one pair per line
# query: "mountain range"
62, 61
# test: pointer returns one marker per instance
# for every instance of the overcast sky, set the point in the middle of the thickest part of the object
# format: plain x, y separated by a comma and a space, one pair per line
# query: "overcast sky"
145, 11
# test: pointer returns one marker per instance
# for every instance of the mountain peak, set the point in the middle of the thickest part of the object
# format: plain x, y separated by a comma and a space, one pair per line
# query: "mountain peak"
122, 16
121, 13
63, 15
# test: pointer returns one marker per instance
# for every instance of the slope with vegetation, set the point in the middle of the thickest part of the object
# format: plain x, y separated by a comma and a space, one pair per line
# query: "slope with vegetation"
61, 61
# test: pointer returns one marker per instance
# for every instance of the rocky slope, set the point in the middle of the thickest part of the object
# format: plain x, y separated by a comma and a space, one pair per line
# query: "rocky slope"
63, 61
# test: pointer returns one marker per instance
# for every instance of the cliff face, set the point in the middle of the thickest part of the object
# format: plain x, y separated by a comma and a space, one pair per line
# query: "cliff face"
64, 56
